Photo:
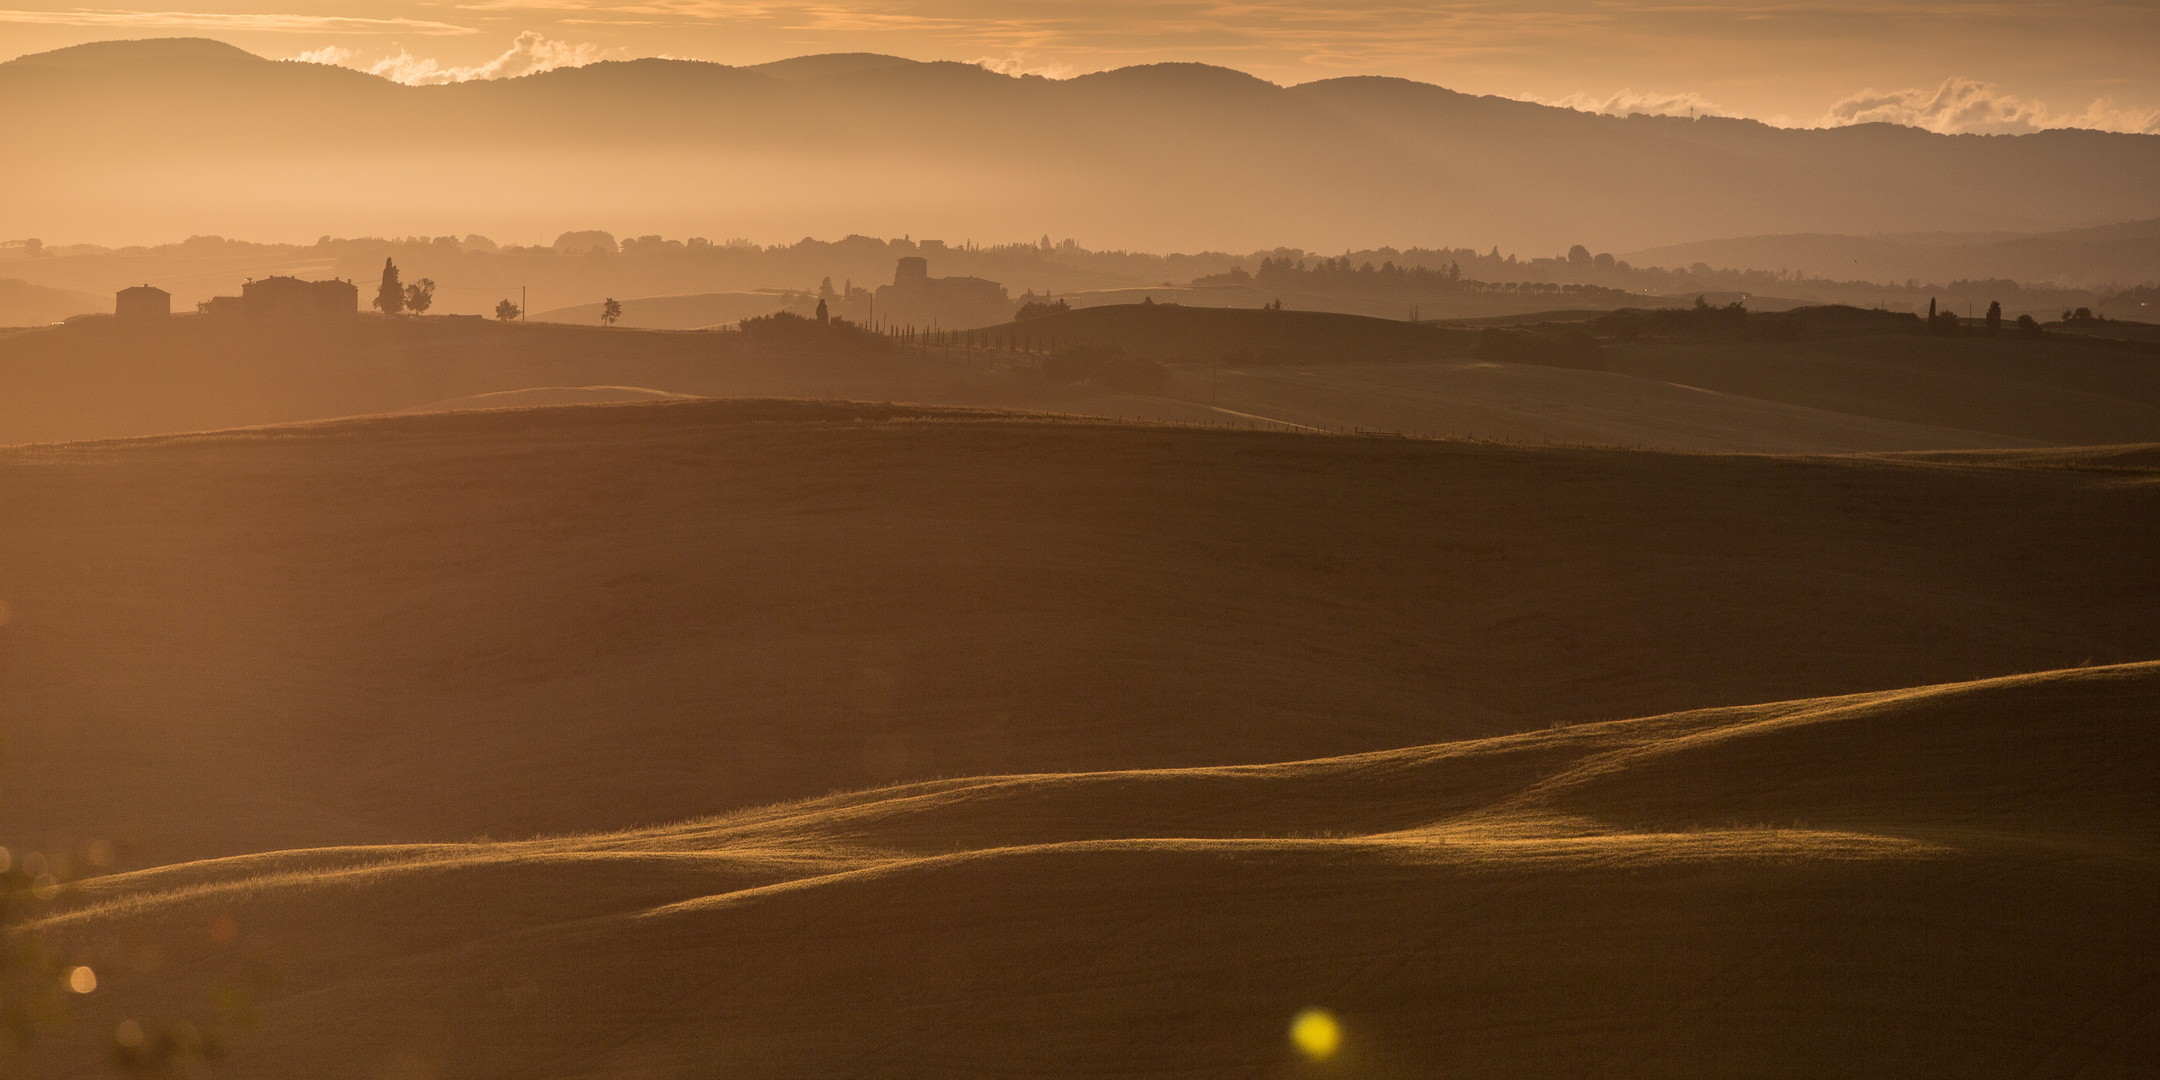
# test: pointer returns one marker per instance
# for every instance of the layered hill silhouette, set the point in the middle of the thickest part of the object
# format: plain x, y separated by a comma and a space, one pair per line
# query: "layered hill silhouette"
1184, 154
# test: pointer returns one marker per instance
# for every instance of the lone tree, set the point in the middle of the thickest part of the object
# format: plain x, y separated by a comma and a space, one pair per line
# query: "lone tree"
420, 295
610, 311
390, 299
507, 311
1994, 317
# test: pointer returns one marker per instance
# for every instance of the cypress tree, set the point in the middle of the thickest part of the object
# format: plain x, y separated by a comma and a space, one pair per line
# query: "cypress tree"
390, 299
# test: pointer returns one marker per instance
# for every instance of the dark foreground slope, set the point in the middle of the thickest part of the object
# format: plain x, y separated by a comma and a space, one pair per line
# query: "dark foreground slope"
555, 620
1951, 881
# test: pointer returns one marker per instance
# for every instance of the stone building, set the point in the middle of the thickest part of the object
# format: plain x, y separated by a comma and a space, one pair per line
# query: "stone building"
142, 302
955, 303
288, 297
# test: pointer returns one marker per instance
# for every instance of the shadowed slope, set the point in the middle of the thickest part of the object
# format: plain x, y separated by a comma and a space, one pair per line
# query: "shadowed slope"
2056, 390
560, 620
121, 378
1629, 898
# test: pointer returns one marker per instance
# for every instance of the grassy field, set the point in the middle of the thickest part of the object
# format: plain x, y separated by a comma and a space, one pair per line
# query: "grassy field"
1946, 881
554, 620
2056, 390
562, 741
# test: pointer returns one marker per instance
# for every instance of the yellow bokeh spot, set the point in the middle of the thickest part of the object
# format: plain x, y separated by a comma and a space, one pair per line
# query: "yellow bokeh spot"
82, 980
1316, 1034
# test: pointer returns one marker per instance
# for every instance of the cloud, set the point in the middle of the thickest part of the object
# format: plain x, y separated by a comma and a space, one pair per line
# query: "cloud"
530, 54
198, 20
1625, 102
1021, 65
333, 55
1962, 106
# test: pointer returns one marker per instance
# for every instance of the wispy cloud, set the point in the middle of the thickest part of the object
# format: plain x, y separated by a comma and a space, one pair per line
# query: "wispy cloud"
1624, 102
203, 20
333, 55
1962, 106
530, 54
1021, 64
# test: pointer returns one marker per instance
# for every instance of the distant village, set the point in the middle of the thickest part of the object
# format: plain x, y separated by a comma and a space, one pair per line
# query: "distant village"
914, 300
688, 284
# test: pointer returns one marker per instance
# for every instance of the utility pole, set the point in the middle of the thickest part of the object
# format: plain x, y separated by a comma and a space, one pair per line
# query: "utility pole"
524, 306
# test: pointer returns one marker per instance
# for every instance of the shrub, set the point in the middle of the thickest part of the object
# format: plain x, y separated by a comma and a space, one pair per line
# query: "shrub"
1104, 365
1036, 309
788, 328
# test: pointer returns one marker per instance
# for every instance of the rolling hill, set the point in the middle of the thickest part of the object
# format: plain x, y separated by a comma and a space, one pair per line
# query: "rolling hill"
849, 739
25, 304
1942, 881
1855, 380
1877, 388
424, 628
1178, 155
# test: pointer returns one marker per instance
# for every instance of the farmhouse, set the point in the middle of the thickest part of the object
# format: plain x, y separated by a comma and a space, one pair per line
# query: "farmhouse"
288, 297
142, 302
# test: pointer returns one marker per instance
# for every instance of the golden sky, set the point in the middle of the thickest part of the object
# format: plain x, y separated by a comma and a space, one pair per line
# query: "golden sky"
1948, 66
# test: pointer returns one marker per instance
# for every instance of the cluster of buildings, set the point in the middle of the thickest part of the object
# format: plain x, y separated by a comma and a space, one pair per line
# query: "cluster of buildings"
913, 299
955, 303
270, 297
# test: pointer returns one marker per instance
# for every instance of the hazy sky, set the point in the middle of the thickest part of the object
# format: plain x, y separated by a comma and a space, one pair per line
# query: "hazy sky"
1949, 66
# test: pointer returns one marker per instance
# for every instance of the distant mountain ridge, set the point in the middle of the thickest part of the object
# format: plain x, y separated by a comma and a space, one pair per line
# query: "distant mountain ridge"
104, 54
2122, 254
189, 134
